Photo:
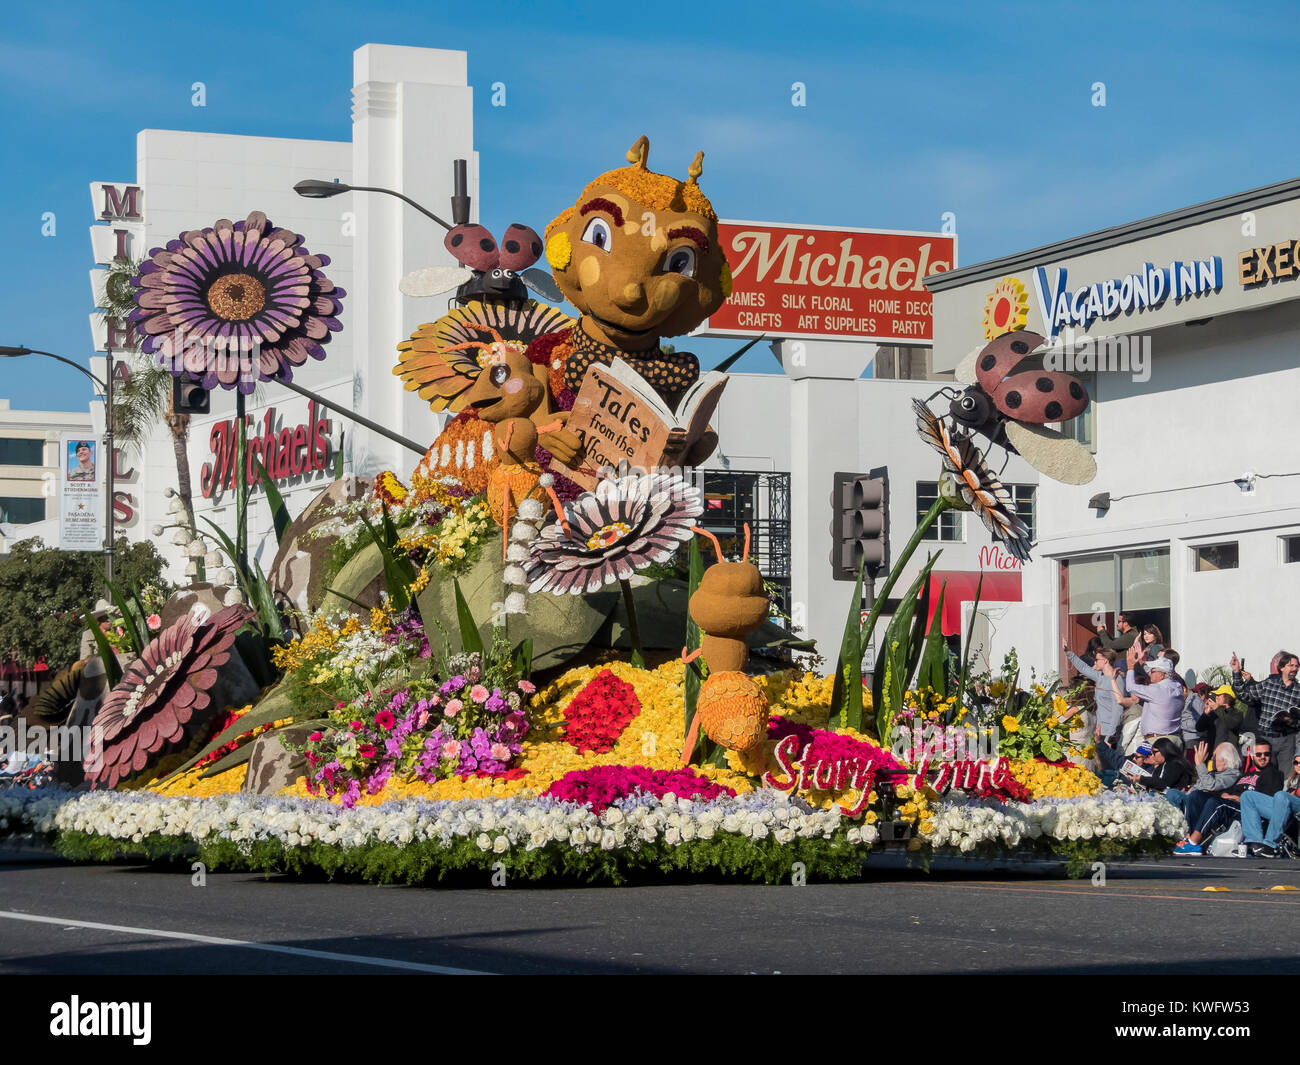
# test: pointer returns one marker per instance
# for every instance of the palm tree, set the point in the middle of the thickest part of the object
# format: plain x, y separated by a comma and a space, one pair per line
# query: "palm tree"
146, 395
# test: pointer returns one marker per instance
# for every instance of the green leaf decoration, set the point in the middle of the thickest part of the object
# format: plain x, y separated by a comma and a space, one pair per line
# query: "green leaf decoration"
523, 657
279, 512
893, 654
111, 667
693, 676
964, 679
399, 573
276, 706
846, 694
237, 757
934, 659
470, 639
129, 622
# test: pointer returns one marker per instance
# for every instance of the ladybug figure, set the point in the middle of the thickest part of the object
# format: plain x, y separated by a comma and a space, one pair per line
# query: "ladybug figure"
488, 270
1011, 406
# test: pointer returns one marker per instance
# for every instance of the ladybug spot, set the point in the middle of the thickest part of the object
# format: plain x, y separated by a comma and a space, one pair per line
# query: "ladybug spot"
1019, 347
988, 362
456, 238
1076, 390
511, 246
1044, 384
537, 247
1053, 410
1013, 400
487, 244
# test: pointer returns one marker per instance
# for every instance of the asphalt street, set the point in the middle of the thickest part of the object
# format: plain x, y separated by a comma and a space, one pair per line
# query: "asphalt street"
1192, 915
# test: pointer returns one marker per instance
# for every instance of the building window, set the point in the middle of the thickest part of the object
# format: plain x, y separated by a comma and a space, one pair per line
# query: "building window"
1084, 427
1023, 495
1214, 556
1097, 587
1291, 549
734, 499
18, 452
951, 525
21, 510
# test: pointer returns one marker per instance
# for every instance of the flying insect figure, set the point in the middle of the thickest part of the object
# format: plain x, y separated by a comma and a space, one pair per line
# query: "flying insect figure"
1010, 406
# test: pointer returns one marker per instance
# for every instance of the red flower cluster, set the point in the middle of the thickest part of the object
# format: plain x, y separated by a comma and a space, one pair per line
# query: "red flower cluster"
600, 712
221, 752
603, 785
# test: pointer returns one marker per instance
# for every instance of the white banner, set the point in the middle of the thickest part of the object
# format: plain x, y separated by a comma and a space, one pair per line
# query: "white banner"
81, 493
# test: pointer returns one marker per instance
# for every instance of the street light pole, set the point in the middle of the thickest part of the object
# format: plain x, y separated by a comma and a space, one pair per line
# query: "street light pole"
107, 387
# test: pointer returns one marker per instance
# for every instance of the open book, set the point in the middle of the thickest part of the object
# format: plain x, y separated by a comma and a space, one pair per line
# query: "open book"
620, 419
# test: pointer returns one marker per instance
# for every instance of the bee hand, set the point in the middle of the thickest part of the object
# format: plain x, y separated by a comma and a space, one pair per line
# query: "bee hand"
563, 445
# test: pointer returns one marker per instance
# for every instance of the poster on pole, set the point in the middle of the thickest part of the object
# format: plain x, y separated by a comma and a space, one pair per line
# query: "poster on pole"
80, 494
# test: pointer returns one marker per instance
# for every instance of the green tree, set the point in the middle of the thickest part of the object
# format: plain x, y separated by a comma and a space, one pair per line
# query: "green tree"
43, 590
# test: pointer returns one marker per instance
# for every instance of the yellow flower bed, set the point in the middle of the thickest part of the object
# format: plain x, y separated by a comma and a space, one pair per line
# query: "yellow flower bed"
189, 786
1054, 781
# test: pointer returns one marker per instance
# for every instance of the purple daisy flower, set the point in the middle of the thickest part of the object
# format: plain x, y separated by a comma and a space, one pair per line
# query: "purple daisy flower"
235, 302
609, 534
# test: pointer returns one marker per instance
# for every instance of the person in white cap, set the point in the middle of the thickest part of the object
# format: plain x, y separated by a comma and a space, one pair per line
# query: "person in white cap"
90, 694
1162, 699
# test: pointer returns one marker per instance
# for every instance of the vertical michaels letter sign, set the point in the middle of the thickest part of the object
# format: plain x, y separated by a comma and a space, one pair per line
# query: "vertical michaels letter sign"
836, 284
1142, 291
80, 492
122, 240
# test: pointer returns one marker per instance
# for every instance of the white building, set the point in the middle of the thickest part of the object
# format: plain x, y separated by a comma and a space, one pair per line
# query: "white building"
30, 469
412, 116
1193, 519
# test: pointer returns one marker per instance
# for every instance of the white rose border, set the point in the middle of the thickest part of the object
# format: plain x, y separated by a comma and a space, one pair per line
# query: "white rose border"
501, 826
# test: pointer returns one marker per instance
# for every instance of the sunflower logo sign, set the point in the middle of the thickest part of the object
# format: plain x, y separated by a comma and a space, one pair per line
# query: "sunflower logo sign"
1006, 309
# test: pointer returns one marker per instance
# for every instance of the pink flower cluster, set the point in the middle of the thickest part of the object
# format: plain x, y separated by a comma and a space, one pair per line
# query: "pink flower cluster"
601, 786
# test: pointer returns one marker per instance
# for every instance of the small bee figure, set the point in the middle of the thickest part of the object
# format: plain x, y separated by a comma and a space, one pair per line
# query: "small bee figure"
728, 605
508, 396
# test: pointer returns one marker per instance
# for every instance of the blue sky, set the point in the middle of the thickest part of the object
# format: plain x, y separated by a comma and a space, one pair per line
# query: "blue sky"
912, 110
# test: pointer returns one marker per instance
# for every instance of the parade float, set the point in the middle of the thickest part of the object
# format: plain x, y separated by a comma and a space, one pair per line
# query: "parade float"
523, 658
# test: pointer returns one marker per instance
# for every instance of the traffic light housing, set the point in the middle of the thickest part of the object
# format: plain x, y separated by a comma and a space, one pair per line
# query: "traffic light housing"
189, 397
860, 523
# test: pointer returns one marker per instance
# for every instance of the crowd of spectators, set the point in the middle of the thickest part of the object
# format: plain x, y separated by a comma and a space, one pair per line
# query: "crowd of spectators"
1224, 755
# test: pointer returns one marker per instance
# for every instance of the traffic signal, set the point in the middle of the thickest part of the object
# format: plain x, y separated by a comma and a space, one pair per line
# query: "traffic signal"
188, 396
860, 523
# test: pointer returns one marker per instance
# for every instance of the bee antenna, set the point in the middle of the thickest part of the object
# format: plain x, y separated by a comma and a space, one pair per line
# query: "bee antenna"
717, 547
745, 556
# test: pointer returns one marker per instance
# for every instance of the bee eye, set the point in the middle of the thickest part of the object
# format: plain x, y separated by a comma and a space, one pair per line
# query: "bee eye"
598, 233
680, 261
499, 374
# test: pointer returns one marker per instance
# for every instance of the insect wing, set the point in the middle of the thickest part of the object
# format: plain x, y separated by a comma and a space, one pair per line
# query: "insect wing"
965, 370
473, 245
1052, 454
520, 248
1040, 396
542, 283
998, 358
431, 280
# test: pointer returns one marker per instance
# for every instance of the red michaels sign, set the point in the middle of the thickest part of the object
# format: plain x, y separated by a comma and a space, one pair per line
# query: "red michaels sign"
304, 449
823, 283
